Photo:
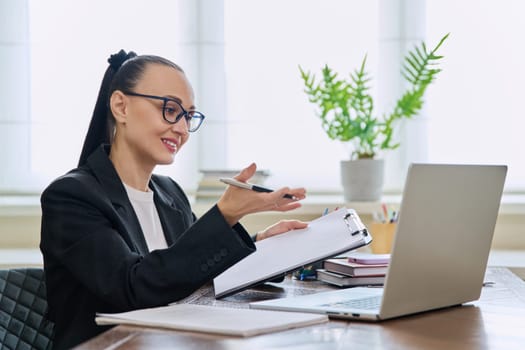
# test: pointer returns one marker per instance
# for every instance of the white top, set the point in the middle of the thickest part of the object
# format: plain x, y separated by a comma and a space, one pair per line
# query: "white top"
148, 216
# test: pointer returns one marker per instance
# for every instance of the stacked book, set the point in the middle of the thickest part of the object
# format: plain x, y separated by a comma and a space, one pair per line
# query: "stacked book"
211, 188
355, 269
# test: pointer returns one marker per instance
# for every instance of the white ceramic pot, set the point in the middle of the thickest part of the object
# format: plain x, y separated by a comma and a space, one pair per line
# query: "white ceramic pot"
362, 179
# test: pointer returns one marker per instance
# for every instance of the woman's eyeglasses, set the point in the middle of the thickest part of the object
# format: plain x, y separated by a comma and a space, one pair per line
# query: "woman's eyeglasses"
172, 111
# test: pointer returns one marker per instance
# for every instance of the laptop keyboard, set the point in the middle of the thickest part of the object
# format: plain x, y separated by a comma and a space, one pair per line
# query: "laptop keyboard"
368, 303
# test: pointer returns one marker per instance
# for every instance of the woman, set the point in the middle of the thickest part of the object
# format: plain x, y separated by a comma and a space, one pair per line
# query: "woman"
117, 237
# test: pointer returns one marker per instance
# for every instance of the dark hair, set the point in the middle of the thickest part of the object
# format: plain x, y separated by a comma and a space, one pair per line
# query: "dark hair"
123, 73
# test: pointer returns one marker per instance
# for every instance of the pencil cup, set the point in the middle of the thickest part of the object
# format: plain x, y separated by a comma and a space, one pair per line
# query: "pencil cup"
382, 237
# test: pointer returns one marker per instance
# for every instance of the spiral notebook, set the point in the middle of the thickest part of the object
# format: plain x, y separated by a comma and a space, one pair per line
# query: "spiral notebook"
211, 319
325, 237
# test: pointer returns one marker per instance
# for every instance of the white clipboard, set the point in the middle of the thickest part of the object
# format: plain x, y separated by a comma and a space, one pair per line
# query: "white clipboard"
325, 237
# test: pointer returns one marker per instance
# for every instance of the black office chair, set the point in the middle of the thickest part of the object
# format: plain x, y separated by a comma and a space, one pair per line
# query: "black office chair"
23, 306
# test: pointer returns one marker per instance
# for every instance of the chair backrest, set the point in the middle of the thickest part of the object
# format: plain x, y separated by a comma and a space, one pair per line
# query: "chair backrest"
23, 306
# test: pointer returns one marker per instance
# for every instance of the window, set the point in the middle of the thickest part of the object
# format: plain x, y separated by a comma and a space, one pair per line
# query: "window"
477, 105
70, 44
270, 119
474, 108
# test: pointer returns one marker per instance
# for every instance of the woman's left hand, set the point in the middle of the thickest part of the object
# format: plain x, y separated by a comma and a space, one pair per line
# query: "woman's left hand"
279, 228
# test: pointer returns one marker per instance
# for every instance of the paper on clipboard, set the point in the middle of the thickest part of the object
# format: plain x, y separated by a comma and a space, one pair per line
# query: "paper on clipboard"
327, 236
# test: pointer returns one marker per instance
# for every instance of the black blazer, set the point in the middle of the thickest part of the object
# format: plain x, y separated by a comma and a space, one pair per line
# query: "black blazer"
96, 258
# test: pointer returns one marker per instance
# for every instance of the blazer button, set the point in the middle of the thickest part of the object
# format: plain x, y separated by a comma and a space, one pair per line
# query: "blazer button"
224, 251
204, 267
217, 257
210, 262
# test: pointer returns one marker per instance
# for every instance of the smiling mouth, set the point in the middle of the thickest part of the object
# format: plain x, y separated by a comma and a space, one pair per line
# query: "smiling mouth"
172, 146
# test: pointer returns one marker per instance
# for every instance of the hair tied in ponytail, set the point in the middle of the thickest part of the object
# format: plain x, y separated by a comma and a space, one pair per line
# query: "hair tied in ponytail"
116, 60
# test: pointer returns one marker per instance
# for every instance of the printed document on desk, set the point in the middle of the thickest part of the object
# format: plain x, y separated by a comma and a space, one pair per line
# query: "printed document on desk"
327, 236
210, 319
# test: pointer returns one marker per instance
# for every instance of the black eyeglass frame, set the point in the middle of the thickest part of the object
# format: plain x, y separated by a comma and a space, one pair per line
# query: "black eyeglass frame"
186, 114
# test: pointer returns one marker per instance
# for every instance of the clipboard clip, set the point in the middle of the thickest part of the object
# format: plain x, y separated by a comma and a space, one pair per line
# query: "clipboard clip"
354, 223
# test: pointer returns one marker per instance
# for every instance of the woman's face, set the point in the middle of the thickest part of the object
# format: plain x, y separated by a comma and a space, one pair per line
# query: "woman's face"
146, 134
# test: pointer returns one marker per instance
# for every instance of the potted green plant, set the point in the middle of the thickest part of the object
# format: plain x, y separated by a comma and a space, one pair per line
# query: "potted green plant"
346, 110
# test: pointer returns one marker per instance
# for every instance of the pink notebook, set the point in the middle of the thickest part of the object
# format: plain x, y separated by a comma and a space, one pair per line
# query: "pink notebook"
368, 258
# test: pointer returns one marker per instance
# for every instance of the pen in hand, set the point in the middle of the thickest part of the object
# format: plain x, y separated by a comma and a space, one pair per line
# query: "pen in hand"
250, 186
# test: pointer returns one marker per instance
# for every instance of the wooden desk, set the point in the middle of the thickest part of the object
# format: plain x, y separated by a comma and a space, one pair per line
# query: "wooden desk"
495, 321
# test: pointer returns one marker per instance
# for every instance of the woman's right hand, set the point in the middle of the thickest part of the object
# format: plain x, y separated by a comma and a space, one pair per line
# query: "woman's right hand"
237, 202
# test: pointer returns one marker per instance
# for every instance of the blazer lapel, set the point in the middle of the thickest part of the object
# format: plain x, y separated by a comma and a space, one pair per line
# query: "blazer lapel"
174, 221
110, 181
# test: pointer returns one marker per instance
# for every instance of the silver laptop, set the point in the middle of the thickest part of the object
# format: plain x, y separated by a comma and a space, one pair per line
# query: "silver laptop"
440, 250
